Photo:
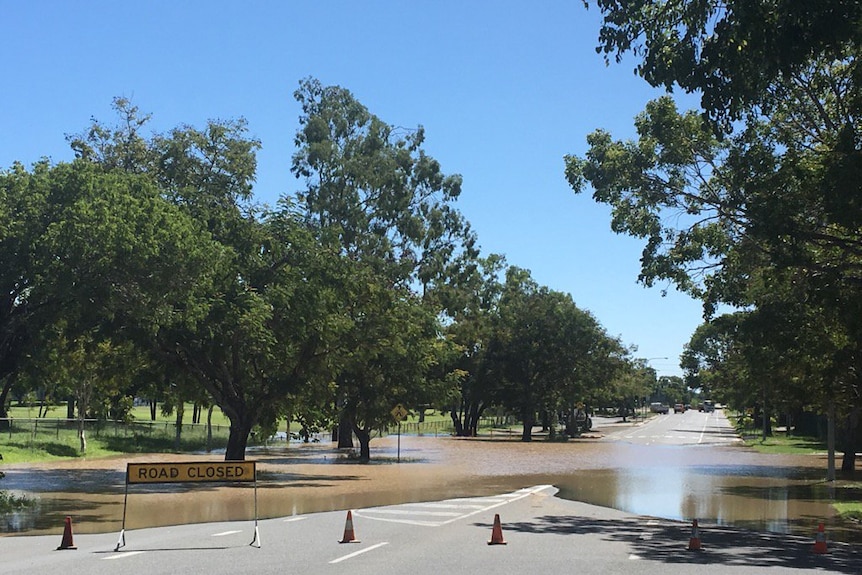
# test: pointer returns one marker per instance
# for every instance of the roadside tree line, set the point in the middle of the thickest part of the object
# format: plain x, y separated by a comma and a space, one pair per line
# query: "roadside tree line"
751, 203
145, 268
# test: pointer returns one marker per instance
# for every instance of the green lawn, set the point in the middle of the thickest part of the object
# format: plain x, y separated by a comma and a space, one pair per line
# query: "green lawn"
33, 439
783, 443
850, 506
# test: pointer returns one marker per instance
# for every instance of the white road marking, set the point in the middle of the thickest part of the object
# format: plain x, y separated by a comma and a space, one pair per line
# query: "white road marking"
360, 552
223, 533
702, 431
121, 555
417, 512
470, 506
292, 519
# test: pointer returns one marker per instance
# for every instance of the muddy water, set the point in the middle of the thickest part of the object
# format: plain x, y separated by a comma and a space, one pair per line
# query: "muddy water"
719, 485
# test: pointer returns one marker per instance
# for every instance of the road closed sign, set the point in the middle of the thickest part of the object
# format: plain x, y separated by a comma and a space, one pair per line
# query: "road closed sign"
209, 471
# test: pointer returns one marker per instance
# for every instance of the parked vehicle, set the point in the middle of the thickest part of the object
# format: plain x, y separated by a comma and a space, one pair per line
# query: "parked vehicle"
658, 408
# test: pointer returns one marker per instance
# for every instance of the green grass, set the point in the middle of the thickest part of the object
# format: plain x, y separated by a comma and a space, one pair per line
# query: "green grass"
785, 444
138, 413
54, 439
849, 510
779, 442
850, 507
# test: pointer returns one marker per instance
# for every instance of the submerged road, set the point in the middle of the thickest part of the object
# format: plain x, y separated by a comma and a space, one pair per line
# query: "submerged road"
543, 534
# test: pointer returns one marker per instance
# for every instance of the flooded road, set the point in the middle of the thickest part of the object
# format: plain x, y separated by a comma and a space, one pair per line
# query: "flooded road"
725, 485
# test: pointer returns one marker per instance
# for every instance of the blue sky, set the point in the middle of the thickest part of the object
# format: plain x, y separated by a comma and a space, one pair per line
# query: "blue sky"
504, 90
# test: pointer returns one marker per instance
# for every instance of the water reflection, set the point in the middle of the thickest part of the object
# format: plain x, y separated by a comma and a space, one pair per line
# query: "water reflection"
724, 486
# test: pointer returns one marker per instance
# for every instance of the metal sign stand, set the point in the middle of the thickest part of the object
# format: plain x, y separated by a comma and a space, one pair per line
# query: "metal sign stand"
399, 412
171, 478
256, 532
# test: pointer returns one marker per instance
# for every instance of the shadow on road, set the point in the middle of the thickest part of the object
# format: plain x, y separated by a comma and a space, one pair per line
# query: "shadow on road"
667, 542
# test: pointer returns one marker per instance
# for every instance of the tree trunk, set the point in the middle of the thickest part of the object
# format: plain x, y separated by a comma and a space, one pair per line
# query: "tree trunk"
178, 427
152, 410
4, 413
364, 437
83, 401
527, 433
456, 422
241, 424
830, 443
345, 433
210, 428
848, 461
476, 410
237, 441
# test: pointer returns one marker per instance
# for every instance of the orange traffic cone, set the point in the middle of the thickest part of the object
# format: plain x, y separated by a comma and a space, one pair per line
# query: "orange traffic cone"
67, 536
497, 532
349, 535
819, 540
694, 541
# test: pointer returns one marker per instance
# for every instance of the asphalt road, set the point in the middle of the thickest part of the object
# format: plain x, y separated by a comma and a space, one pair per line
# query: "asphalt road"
543, 534
689, 428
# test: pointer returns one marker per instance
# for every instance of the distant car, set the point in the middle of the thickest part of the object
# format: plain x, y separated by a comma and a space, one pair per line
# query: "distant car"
658, 408
707, 406
678, 408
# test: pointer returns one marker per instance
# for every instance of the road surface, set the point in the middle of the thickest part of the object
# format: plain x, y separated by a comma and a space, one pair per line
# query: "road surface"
689, 428
543, 534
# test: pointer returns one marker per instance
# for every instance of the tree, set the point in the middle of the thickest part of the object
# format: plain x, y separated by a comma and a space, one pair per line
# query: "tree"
23, 218
373, 196
770, 213
472, 304
393, 343
539, 350
730, 52
248, 320
269, 334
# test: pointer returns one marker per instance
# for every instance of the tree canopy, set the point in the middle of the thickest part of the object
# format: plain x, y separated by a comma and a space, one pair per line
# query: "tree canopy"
757, 209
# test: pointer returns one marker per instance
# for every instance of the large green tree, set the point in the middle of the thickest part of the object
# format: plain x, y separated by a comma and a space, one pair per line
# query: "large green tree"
251, 324
472, 305
730, 52
541, 350
23, 220
375, 197
766, 217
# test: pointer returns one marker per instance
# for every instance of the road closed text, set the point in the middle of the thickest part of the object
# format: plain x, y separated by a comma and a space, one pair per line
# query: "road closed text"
190, 472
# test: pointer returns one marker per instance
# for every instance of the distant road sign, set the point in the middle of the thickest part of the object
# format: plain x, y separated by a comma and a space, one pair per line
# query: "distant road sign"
399, 412
209, 471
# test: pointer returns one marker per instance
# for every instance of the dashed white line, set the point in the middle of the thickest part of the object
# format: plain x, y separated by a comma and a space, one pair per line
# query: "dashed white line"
223, 533
292, 519
360, 552
470, 506
417, 512
121, 555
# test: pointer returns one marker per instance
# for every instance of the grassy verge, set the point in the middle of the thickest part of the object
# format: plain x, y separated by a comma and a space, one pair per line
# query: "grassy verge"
849, 510
849, 492
785, 444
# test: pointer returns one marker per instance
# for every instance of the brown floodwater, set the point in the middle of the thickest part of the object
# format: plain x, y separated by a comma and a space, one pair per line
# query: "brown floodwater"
717, 485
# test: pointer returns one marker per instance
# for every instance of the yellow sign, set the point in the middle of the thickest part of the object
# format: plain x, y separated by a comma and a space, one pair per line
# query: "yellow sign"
207, 471
399, 412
